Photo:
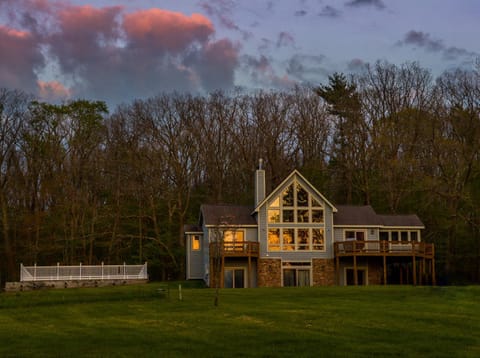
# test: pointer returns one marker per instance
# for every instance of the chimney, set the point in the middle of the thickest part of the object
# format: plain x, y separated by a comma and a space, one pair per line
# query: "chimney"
259, 183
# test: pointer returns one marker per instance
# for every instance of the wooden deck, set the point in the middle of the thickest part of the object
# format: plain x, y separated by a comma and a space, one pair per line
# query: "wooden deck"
235, 249
422, 255
382, 248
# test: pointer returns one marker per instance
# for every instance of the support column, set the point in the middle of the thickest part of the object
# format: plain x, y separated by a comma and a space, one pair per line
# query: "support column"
434, 279
355, 270
222, 272
384, 270
249, 271
337, 270
414, 269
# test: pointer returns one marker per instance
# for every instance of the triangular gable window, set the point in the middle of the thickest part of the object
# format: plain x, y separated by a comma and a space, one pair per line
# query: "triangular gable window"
295, 205
295, 220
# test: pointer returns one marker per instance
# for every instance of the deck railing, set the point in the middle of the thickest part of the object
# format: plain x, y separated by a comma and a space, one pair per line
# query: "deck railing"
375, 247
83, 272
237, 248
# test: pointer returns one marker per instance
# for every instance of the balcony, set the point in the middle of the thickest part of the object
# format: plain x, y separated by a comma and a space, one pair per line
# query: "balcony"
383, 248
234, 249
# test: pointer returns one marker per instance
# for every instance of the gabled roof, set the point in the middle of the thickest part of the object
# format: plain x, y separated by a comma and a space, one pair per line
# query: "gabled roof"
225, 214
289, 178
402, 221
356, 216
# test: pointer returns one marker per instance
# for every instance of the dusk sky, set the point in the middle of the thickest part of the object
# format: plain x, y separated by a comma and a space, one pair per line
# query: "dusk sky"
119, 50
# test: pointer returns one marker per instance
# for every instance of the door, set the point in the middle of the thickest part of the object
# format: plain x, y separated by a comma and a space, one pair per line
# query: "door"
296, 277
234, 278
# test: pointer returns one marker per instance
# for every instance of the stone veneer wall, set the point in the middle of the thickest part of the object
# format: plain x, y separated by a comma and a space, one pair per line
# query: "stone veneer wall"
269, 273
323, 272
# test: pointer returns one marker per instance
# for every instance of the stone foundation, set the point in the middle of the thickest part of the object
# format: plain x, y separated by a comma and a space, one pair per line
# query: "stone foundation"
38, 285
269, 273
323, 272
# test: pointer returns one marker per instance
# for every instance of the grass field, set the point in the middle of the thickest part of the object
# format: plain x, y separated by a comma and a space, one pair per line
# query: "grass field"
136, 321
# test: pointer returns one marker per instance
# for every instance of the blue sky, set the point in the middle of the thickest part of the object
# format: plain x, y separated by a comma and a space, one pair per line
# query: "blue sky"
117, 51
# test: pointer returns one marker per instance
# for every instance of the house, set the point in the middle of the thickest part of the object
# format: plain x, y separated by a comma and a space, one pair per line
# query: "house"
294, 236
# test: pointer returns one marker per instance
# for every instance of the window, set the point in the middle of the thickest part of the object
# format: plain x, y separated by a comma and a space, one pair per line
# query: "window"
400, 236
288, 239
318, 240
233, 240
414, 236
195, 243
296, 274
274, 239
354, 235
394, 235
295, 221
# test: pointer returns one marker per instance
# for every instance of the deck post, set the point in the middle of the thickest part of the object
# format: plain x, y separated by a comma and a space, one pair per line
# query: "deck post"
249, 270
337, 271
222, 269
414, 269
434, 280
384, 270
355, 271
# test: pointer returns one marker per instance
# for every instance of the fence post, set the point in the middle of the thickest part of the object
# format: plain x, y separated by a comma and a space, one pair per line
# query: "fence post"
80, 270
35, 271
102, 270
58, 269
124, 269
21, 271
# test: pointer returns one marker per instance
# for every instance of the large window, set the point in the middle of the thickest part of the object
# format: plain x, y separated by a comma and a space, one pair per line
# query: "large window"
295, 221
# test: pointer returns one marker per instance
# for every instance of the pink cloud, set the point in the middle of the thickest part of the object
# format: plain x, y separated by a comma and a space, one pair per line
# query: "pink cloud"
52, 91
162, 30
82, 31
19, 59
111, 54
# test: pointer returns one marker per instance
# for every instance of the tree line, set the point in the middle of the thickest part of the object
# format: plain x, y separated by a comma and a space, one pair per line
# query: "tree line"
80, 184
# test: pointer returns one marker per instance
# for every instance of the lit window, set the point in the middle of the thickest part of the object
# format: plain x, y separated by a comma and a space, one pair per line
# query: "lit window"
288, 196
303, 239
317, 216
288, 239
273, 215
195, 243
318, 241
288, 216
274, 239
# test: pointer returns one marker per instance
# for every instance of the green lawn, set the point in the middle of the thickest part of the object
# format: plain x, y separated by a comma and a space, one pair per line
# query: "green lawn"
136, 321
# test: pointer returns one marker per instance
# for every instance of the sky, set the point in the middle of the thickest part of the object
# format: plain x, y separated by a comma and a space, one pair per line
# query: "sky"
120, 50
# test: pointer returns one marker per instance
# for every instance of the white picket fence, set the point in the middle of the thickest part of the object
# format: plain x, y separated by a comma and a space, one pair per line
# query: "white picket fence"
83, 272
